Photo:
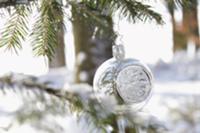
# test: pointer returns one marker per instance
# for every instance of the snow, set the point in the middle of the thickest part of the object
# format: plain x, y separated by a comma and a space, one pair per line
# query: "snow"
57, 78
174, 102
182, 68
176, 93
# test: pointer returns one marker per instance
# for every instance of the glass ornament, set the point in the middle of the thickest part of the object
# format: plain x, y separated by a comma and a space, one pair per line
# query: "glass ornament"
122, 84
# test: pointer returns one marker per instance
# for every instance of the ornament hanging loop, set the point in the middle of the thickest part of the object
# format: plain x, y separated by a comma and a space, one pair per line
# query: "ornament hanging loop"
118, 52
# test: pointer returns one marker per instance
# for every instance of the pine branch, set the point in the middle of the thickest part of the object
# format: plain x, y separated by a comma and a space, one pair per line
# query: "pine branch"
85, 103
130, 9
29, 82
88, 108
16, 29
44, 33
44, 38
89, 14
74, 100
134, 10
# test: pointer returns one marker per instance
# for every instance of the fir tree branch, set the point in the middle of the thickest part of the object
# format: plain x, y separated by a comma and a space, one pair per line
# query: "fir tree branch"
44, 39
134, 10
88, 107
16, 29
44, 32
74, 100
130, 9
29, 82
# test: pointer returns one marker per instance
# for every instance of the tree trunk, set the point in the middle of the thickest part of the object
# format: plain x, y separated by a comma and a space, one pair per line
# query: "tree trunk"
179, 37
59, 57
93, 44
188, 30
190, 22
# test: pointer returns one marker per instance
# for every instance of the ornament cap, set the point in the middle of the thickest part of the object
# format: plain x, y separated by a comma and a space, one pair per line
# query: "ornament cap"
118, 52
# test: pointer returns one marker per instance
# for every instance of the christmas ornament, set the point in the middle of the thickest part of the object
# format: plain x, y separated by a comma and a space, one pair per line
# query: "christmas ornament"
126, 81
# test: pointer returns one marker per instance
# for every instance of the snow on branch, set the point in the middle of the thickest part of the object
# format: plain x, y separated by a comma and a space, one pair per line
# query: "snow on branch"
81, 99
33, 83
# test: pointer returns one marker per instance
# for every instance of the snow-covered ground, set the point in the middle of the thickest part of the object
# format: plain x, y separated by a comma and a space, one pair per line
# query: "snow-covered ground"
177, 92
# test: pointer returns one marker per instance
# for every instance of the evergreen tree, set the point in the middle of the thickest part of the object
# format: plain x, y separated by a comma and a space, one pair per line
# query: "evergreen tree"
44, 35
50, 15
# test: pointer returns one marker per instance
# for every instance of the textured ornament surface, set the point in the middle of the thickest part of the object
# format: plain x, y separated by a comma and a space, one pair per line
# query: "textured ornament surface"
133, 84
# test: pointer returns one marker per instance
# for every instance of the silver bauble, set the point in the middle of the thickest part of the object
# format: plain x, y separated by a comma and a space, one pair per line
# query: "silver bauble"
126, 81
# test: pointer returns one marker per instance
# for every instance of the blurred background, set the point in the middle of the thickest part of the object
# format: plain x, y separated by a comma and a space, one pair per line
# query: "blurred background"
171, 50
